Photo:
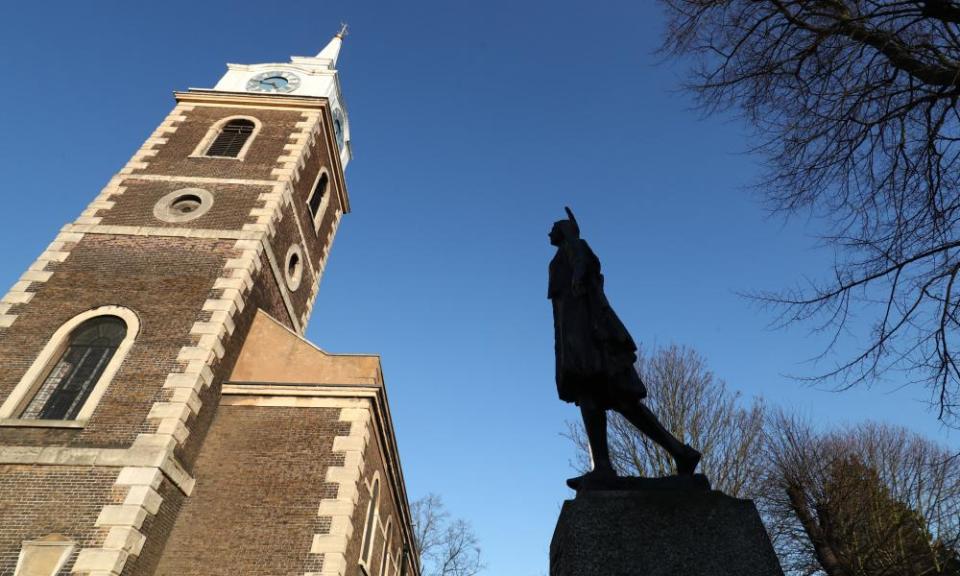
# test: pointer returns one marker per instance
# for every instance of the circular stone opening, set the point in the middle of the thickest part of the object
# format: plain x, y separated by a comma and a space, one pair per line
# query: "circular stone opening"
294, 269
293, 266
183, 205
186, 204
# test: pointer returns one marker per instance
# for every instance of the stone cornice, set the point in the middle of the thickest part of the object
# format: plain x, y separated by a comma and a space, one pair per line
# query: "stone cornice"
217, 97
139, 455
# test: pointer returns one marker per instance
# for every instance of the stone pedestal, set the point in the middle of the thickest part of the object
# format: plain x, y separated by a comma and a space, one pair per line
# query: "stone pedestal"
660, 533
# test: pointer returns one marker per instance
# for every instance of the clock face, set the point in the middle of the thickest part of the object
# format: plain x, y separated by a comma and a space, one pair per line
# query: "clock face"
274, 81
338, 121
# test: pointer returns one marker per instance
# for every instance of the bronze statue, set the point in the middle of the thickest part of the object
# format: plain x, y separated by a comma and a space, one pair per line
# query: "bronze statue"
596, 356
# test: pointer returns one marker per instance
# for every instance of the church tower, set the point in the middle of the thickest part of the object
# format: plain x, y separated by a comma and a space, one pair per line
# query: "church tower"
160, 411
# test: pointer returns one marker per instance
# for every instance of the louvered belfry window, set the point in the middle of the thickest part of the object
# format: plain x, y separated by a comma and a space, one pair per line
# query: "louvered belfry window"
318, 194
231, 138
80, 366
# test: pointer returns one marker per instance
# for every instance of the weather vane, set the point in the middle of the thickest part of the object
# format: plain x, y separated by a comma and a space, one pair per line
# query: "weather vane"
343, 30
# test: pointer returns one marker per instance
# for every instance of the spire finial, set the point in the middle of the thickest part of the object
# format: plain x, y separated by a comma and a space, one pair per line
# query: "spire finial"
332, 50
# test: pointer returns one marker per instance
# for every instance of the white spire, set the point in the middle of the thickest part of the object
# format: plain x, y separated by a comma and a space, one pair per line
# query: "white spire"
332, 50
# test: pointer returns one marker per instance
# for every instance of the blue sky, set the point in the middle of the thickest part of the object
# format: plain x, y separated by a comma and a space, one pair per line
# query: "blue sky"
473, 124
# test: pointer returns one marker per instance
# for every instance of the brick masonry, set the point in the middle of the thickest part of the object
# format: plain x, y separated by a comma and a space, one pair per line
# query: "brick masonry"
174, 157
165, 280
162, 522
231, 207
373, 467
31, 508
256, 500
336, 513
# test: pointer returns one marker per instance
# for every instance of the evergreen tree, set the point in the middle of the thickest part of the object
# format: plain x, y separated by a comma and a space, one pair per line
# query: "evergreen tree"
868, 500
872, 533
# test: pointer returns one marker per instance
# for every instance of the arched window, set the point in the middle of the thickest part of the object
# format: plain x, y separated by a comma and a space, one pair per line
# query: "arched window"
67, 386
338, 130
386, 549
233, 135
72, 372
318, 194
368, 530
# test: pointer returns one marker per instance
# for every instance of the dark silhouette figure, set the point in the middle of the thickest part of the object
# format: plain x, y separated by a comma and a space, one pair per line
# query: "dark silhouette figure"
596, 356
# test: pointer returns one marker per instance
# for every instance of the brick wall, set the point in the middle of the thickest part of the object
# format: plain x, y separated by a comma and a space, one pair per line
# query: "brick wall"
164, 280
298, 227
173, 158
259, 484
158, 527
264, 295
319, 157
40, 501
231, 206
288, 234
373, 466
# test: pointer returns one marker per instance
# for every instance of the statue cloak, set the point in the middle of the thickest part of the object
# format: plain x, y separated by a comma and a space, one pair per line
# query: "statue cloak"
595, 353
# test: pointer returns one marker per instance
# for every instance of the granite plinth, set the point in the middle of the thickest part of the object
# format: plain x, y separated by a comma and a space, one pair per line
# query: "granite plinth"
660, 533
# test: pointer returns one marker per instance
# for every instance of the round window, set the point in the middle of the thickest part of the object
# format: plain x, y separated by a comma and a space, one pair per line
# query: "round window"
186, 204
294, 269
183, 205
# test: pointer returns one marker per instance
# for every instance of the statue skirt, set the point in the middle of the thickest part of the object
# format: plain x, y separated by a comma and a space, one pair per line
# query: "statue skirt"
601, 389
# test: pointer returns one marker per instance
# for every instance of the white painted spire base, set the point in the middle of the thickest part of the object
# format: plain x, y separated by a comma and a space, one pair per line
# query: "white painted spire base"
331, 51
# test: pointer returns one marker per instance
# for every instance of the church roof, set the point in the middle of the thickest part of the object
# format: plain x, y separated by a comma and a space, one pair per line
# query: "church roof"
272, 353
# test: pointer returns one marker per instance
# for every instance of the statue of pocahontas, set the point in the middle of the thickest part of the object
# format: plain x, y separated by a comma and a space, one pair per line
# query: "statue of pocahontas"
596, 356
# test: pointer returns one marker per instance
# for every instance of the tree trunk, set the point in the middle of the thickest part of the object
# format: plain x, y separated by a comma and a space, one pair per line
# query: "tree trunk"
824, 552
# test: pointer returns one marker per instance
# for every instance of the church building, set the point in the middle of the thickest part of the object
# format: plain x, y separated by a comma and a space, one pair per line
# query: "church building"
161, 413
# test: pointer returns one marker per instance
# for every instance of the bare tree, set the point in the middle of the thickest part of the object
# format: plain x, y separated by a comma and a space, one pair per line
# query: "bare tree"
698, 409
855, 105
872, 500
447, 547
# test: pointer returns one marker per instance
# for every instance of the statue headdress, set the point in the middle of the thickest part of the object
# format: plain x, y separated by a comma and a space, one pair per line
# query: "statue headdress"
569, 227
572, 219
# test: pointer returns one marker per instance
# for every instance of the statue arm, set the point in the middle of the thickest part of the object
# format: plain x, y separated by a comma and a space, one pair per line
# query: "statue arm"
577, 254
